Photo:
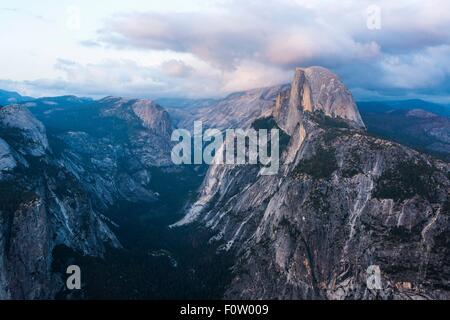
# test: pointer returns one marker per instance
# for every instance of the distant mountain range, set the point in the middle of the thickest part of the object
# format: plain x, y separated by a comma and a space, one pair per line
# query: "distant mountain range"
10, 97
386, 106
415, 123
398, 120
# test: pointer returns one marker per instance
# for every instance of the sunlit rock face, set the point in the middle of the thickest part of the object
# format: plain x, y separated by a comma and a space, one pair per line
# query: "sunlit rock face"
342, 201
290, 106
315, 89
331, 96
153, 116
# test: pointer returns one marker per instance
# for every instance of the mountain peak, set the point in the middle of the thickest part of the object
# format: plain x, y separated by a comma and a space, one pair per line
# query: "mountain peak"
33, 138
315, 88
331, 96
153, 116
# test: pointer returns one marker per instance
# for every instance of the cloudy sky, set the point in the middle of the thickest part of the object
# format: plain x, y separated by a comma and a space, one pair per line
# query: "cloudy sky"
198, 48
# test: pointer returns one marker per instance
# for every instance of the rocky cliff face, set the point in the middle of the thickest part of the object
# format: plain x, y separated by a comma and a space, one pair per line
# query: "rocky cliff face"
314, 89
238, 110
331, 96
110, 145
43, 205
343, 201
59, 176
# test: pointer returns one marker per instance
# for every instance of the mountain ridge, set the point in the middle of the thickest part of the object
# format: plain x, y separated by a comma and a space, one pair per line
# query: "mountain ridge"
11, 97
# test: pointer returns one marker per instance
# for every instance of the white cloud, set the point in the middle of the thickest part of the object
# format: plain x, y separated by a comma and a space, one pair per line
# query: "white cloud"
176, 68
234, 45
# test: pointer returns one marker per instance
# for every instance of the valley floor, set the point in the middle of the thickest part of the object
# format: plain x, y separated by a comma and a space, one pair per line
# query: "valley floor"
156, 262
